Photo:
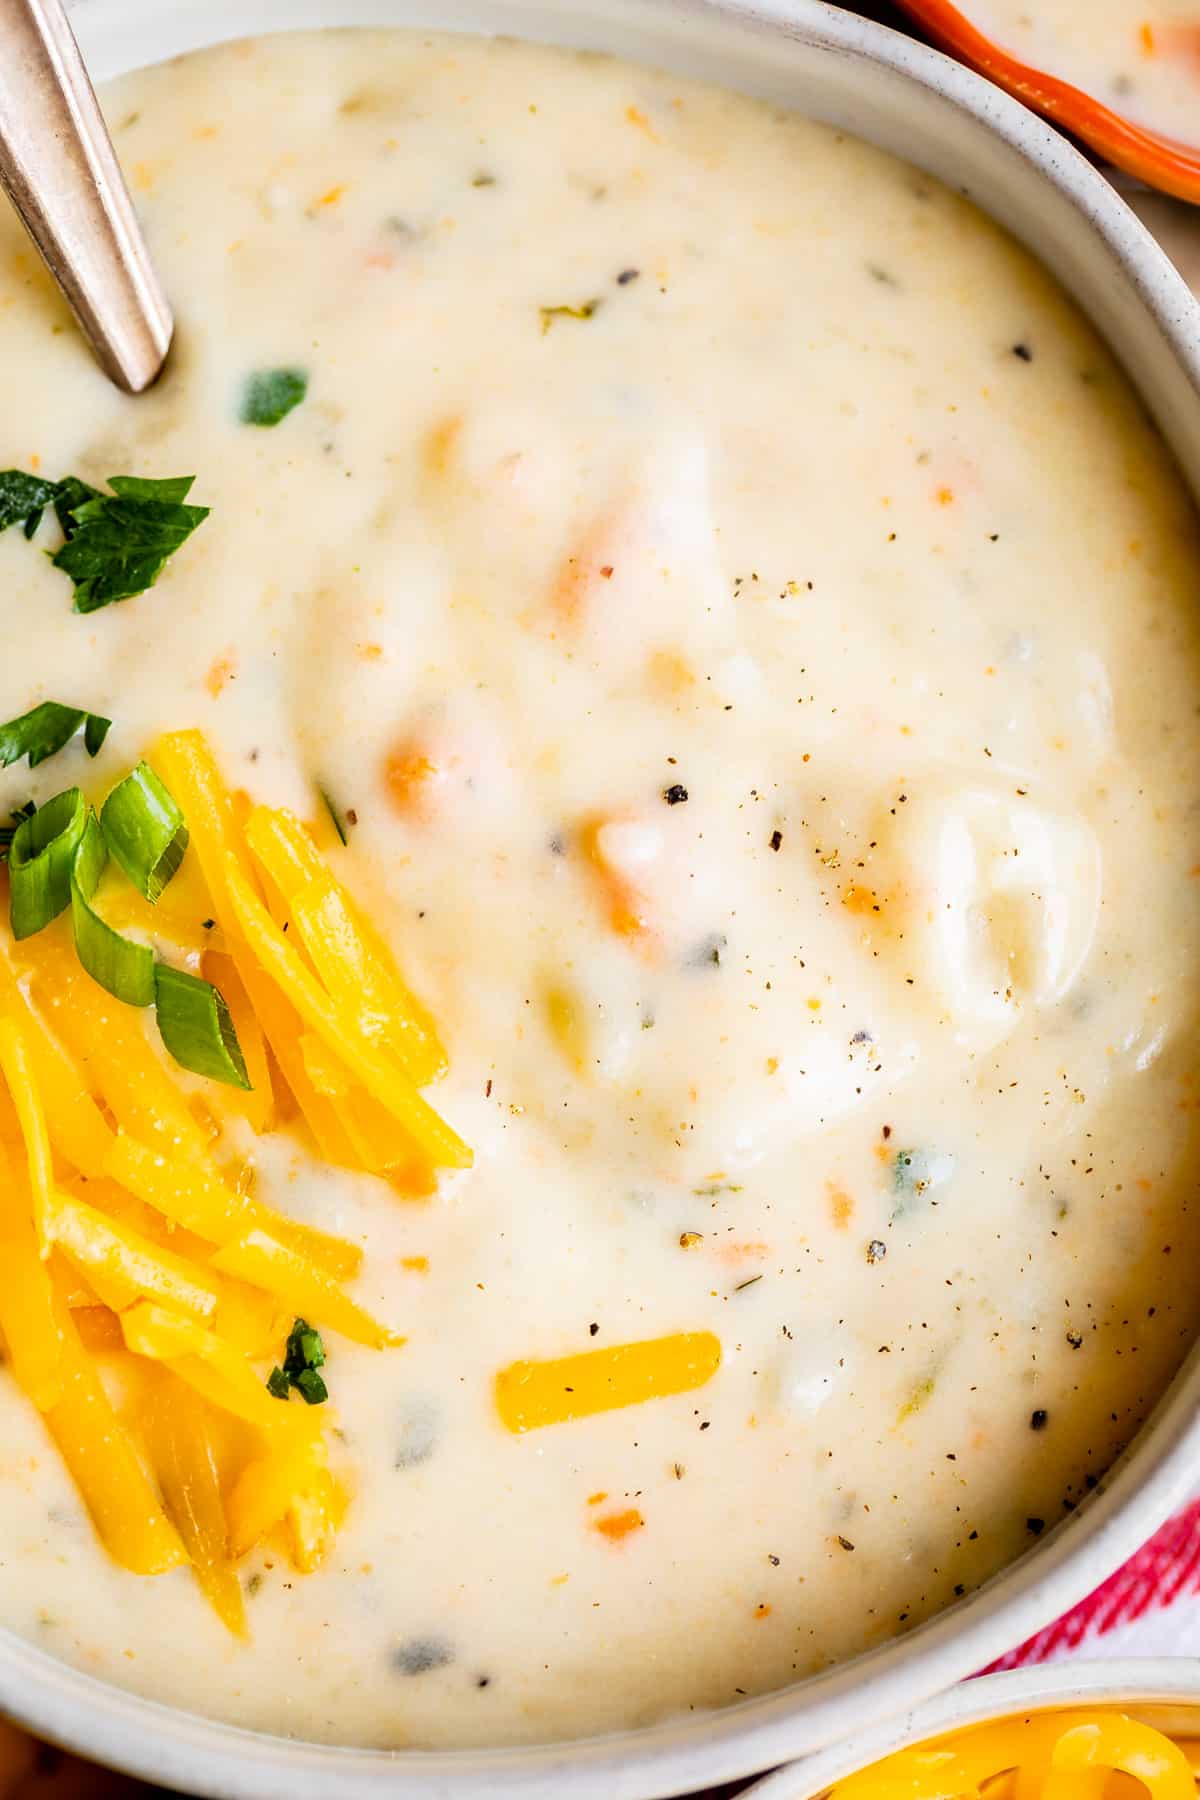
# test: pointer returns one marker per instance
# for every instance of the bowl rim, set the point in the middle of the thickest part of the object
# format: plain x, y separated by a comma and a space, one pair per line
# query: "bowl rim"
1162, 161
1135, 1683
198, 1754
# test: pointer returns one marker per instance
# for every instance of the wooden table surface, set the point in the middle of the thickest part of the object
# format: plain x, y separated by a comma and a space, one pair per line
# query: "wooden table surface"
31, 1771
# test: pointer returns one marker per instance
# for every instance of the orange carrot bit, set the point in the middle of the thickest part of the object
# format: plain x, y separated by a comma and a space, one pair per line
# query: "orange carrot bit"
841, 1206
615, 847
530, 1395
857, 899
1146, 37
615, 1526
762, 1611
220, 674
411, 780
417, 1265
597, 1499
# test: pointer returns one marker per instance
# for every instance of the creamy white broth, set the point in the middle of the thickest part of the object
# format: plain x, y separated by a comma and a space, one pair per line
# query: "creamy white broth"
1142, 61
834, 514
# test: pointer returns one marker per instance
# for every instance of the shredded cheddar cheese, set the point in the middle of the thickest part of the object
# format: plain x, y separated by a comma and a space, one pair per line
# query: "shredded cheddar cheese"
1049, 1756
125, 1241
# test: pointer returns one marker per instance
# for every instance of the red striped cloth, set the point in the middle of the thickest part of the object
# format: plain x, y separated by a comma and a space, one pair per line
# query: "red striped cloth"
1150, 1607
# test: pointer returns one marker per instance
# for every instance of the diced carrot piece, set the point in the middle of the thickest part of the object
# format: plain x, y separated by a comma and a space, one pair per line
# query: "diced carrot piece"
109, 1040
183, 1452
533, 1394
27, 1315
123, 1266
616, 848
260, 1259
256, 1103
216, 1369
96, 1449
267, 1487
78, 1129
364, 984
17, 1065
411, 780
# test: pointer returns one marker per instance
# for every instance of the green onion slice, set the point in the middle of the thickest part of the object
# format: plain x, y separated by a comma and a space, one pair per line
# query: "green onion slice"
124, 969
40, 859
196, 1027
145, 831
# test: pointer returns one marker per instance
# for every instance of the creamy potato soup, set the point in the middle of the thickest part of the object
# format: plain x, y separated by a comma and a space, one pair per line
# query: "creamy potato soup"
1142, 60
745, 627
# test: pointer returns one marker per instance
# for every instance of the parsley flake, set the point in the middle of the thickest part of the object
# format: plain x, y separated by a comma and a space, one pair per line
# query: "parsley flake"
304, 1356
269, 395
45, 730
119, 543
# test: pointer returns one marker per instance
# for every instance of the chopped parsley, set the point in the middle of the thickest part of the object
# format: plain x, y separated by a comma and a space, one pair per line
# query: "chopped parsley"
23, 498
45, 730
303, 1359
269, 395
118, 544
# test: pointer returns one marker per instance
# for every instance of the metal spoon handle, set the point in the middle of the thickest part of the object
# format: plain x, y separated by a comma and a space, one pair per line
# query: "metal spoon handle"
58, 166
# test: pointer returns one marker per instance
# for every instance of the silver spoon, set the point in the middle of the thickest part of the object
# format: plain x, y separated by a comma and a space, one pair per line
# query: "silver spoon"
60, 171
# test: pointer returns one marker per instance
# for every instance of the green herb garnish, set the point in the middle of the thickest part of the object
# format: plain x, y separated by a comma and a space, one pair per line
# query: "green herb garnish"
269, 395
194, 1023
337, 817
23, 498
118, 544
304, 1356
145, 831
46, 730
122, 968
40, 860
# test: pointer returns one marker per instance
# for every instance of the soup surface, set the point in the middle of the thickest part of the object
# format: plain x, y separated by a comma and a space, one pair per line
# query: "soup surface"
1143, 61
748, 626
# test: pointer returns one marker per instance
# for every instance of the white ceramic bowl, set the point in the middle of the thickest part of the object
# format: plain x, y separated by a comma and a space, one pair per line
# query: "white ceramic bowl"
1163, 1691
914, 102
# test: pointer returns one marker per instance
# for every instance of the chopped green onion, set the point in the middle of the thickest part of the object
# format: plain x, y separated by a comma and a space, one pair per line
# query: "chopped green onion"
145, 831
278, 1384
46, 729
124, 969
304, 1356
312, 1387
196, 1027
40, 859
